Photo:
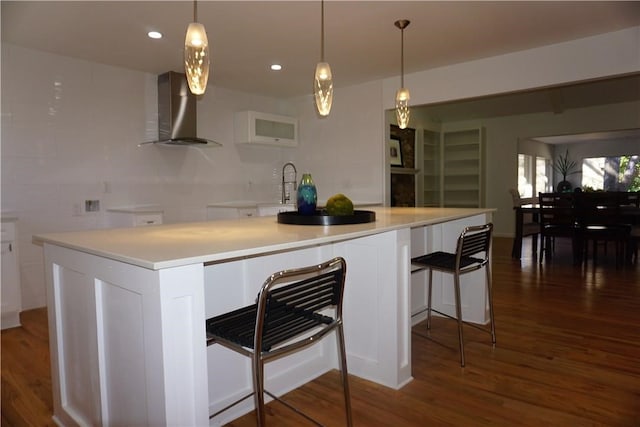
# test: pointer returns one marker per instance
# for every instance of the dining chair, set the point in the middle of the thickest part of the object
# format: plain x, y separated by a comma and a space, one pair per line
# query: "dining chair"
530, 225
557, 220
630, 211
600, 220
472, 253
634, 243
290, 315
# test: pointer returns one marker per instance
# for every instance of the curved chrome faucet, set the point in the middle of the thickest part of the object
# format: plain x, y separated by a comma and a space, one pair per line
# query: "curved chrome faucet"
286, 196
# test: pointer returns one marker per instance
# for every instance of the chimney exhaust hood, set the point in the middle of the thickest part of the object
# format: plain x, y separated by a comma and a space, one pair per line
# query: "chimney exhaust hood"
177, 116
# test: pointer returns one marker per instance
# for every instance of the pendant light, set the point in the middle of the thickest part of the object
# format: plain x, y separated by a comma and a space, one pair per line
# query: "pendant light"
196, 55
402, 96
323, 81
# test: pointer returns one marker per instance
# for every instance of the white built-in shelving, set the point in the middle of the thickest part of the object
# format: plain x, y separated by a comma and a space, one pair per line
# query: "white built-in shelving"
452, 168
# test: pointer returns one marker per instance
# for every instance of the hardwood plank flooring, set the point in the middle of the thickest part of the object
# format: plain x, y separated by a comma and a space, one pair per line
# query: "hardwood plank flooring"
567, 354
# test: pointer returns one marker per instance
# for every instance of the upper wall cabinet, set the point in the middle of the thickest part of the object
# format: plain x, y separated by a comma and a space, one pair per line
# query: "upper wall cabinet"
252, 127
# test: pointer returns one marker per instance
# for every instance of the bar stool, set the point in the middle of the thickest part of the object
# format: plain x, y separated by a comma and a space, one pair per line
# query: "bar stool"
289, 315
472, 241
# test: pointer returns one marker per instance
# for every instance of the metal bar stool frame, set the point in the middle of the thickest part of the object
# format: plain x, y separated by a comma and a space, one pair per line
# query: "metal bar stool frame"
289, 315
472, 241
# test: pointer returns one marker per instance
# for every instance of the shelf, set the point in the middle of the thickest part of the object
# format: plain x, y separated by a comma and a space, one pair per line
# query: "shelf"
460, 144
461, 189
404, 171
462, 156
462, 172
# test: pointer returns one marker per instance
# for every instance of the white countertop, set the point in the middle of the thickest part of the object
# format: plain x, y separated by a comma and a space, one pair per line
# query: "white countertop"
172, 245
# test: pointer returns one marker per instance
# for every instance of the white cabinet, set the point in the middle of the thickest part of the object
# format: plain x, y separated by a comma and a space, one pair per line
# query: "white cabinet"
230, 212
252, 127
11, 294
274, 209
236, 210
134, 217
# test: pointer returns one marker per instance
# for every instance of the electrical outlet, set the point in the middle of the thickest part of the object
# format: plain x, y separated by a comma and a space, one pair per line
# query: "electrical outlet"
92, 205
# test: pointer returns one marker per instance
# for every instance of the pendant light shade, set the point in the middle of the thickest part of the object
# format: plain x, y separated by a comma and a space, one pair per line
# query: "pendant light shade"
402, 107
323, 88
196, 55
323, 80
402, 95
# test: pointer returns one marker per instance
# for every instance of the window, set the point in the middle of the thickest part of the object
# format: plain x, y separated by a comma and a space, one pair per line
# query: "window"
525, 175
543, 175
611, 173
528, 169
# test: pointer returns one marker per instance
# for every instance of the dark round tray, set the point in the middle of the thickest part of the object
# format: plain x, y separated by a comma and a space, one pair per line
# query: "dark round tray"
321, 218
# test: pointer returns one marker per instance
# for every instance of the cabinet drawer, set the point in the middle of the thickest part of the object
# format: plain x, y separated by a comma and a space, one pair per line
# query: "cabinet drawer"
147, 219
231, 212
131, 218
247, 212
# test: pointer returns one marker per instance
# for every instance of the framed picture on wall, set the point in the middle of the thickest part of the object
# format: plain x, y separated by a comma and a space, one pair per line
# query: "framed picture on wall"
395, 153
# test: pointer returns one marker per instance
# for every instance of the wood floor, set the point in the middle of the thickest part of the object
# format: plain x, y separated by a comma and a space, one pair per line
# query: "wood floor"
567, 354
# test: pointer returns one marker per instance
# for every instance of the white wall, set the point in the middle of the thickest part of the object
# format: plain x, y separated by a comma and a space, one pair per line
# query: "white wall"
610, 54
70, 132
62, 144
344, 151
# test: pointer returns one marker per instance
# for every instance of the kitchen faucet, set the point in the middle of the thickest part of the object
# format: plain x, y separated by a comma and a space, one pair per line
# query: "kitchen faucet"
286, 196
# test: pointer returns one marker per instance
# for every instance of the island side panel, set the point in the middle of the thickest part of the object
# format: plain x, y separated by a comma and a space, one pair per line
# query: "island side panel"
377, 307
124, 346
443, 237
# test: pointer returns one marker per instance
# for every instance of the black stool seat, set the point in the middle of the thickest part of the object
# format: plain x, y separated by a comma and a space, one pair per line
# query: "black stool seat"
286, 322
444, 260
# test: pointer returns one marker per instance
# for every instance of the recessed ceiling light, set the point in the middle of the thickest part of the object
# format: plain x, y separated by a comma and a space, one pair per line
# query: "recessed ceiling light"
276, 67
154, 35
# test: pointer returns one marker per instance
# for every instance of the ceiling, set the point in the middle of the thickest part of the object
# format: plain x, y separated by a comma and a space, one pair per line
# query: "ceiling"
246, 37
619, 135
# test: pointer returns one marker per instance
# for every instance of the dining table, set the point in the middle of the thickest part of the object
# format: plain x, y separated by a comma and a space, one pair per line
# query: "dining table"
520, 211
629, 214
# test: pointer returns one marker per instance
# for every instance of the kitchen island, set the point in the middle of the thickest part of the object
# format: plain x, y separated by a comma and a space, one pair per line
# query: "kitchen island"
127, 309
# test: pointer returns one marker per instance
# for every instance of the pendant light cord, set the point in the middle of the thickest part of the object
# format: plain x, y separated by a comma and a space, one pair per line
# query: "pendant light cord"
195, 10
402, 57
322, 31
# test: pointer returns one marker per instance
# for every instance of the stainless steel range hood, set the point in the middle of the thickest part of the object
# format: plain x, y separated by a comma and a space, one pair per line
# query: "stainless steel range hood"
177, 116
